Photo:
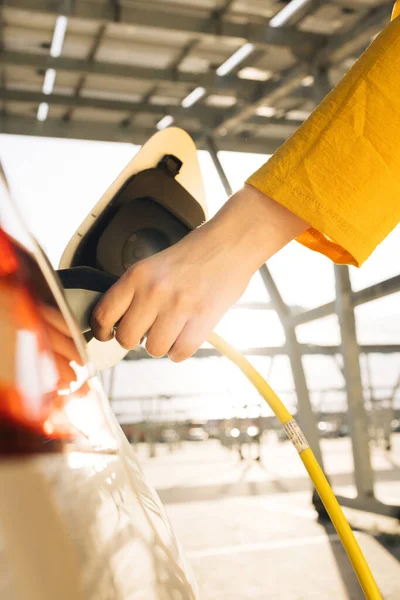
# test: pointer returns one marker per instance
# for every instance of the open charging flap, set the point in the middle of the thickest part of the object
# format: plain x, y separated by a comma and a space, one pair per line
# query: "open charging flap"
154, 203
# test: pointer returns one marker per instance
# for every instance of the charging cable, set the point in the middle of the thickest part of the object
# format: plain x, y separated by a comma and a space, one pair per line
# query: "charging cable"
296, 436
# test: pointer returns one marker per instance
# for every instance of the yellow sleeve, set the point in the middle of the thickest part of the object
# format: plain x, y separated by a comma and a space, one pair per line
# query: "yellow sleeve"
340, 171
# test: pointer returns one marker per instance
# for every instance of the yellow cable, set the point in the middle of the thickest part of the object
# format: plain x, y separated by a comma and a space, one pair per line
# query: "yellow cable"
315, 472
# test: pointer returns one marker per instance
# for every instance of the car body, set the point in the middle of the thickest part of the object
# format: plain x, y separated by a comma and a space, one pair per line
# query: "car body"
77, 518
197, 434
168, 436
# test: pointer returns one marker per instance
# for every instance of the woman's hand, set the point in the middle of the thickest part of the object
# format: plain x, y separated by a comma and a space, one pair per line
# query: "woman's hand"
178, 296
63, 346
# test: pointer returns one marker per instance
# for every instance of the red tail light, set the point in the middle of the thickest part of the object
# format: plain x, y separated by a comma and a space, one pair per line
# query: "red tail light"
29, 376
8, 260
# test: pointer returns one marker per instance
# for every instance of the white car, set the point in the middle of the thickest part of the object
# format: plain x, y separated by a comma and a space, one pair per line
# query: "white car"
197, 434
77, 519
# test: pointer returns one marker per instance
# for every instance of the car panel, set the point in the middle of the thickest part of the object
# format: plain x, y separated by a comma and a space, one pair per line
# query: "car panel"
79, 521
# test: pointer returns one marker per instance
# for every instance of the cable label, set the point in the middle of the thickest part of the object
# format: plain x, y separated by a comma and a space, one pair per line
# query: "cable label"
296, 436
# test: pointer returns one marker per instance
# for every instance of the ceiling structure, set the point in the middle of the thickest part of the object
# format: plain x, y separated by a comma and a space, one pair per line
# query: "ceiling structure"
119, 67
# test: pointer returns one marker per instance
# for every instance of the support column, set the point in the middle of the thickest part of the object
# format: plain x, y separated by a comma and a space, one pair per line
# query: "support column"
307, 419
322, 85
306, 416
212, 149
358, 418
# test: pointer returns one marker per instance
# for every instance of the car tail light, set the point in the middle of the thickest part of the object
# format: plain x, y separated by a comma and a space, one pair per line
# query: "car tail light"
47, 396
8, 260
29, 377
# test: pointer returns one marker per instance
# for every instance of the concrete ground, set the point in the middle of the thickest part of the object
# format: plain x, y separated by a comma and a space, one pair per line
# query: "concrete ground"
249, 530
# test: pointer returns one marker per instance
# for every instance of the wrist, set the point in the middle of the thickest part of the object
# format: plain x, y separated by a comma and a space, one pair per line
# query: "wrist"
251, 227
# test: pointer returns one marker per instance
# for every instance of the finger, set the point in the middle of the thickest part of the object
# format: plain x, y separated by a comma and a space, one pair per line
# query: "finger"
164, 333
53, 316
63, 345
55, 323
112, 306
138, 319
191, 338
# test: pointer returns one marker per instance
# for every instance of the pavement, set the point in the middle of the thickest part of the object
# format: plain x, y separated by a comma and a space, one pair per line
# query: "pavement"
250, 531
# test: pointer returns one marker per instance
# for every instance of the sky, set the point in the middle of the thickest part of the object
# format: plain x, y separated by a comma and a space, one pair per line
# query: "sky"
56, 182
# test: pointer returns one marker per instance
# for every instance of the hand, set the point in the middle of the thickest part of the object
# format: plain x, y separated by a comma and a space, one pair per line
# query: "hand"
177, 296
60, 339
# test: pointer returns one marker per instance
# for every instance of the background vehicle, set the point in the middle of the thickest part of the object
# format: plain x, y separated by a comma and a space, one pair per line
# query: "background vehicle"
168, 436
77, 519
197, 434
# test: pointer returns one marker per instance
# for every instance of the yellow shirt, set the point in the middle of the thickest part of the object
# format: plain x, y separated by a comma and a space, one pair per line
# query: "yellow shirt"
340, 171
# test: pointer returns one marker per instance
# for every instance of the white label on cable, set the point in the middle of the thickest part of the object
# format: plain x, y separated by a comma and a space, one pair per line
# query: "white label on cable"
296, 436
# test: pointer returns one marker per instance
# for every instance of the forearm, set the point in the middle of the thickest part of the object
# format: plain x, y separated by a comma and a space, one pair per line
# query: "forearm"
252, 227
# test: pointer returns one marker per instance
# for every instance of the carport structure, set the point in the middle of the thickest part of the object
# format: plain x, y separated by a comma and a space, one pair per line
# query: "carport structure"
237, 75
121, 66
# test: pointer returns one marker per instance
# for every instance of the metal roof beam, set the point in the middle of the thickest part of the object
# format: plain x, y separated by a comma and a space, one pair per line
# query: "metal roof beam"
92, 53
369, 294
184, 396
176, 19
379, 290
174, 66
80, 130
84, 130
306, 350
270, 92
356, 40
254, 145
333, 52
245, 89
208, 115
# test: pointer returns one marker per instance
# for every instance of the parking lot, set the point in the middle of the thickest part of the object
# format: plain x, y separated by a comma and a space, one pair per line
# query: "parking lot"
249, 530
